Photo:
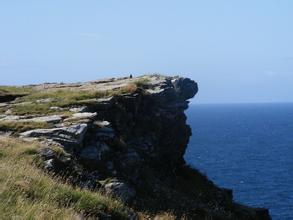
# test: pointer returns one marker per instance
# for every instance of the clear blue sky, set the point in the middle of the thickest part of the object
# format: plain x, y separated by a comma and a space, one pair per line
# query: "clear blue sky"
237, 50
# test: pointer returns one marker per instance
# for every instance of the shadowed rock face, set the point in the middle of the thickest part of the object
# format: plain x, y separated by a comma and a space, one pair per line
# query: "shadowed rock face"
8, 97
131, 145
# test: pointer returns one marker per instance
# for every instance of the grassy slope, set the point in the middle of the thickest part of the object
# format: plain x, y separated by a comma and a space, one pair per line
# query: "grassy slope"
21, 126
27, 192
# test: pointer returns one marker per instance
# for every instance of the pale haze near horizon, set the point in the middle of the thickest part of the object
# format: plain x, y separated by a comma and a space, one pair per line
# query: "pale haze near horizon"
238, 51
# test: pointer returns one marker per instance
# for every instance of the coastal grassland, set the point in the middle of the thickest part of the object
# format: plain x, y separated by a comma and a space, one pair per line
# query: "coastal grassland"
67, 97
15, 90
142, 82
63, 98
21, 126
26, 192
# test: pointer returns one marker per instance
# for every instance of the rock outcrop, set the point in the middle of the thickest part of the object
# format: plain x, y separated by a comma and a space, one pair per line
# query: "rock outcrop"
130, 143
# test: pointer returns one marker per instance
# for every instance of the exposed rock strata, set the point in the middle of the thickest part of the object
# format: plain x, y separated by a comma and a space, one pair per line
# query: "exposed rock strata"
131, 145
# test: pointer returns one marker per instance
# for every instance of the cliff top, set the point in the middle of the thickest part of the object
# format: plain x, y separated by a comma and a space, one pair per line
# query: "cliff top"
45, 105
112, 149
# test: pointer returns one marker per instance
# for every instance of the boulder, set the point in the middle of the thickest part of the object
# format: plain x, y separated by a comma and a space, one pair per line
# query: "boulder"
105, 133
93, 155
120, 190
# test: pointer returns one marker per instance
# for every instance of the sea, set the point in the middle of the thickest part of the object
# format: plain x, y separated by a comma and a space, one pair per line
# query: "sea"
247, 148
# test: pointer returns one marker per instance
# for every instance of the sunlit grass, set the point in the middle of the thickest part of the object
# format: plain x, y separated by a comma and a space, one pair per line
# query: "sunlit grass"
15, 90
27, 192
21, 126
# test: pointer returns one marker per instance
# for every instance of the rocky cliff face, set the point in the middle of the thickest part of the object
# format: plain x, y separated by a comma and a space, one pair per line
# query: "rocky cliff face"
125, 137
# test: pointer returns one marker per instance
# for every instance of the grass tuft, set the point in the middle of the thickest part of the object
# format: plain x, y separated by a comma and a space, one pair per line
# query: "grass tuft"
21, 126
15, 90
26, 192
142, 82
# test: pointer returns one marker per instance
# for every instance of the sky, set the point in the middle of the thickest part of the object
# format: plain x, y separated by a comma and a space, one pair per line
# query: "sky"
237, 50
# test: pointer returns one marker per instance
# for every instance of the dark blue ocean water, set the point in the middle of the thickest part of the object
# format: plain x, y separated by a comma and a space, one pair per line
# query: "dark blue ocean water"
248, 148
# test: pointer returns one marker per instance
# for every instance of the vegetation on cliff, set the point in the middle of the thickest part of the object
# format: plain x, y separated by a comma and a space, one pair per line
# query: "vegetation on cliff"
27, 192
111, 148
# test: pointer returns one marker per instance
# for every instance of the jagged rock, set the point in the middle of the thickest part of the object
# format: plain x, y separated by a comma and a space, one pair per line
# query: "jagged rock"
105, 133
8, 112
79, 109
47, 153
56, 108
111, 168
185, 88
9, 97
46, 100
3, 105
92, 155
120, 190
130, 158
81, 116
102, 123
68, 136
47, 119
138, 136
103, 103
48, 164
12, 117
55, 161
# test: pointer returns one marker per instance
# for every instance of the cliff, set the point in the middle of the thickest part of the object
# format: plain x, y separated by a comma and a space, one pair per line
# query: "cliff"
121, 137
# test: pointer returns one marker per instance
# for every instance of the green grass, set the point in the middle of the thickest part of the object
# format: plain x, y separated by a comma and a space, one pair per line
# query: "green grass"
26, 192
15, 90
142, 82
63, 98
66, 96
21, 126
32, 108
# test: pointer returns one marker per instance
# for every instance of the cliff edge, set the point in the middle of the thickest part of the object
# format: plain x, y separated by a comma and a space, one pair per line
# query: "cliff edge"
122, 137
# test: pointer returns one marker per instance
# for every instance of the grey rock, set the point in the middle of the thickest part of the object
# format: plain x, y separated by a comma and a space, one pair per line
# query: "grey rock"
120, 190
3, 105
72, 135
46, 100
105, 133
47, 119
11, 118
185, 87
47, 153
89, 153
79, 109
8, 112
92, 155
56, 108
110, 167
48, 164
82, 115
102, 123
130, 158
103, 103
